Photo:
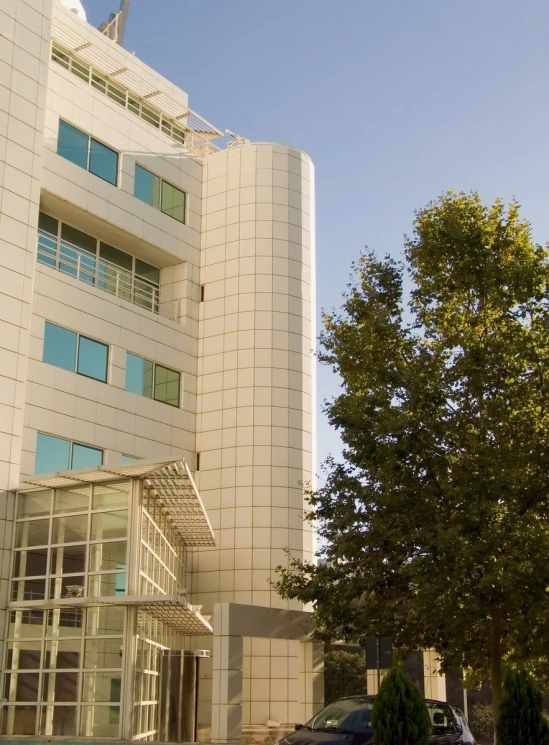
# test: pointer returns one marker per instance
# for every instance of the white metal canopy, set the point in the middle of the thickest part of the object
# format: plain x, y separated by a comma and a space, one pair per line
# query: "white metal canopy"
173, 609
169, 479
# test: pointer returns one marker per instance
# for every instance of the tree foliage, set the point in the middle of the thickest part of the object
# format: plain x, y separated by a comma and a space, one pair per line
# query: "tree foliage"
434, 524
521, 719
399, 716
344, 675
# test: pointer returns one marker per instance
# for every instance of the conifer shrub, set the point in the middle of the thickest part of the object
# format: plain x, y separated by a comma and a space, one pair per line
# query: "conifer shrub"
400, 716
521, 720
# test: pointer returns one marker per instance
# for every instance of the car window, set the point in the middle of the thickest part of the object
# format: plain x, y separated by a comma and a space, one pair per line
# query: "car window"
351, 714
442, 719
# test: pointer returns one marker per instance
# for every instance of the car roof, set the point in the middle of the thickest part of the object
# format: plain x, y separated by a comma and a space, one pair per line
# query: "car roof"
371, 697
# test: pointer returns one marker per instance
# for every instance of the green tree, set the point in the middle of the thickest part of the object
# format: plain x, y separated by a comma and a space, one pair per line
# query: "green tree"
434, 524
521, 719
344, 674
399, 716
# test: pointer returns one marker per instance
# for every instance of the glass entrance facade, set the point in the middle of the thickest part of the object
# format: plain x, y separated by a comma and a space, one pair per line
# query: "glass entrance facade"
82, 654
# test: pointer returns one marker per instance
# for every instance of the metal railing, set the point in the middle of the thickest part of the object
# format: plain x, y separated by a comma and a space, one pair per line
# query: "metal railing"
94, 270
186, 127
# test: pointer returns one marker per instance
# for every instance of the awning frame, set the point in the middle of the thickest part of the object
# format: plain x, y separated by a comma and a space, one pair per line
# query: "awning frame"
169, 478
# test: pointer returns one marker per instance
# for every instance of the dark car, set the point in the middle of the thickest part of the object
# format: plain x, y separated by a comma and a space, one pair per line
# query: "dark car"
348, 721
467, 737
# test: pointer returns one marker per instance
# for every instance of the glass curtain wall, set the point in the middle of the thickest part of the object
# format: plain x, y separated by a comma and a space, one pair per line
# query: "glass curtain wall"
162, 570
64, 665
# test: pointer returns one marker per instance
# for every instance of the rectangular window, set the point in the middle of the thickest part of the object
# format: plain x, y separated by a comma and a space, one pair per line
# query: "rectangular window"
147, 187
74, 352
93, 358
73, 144
103, 162
152, 380
139, 375
84, 456
56, 454
87, 152
60, 347
52, 454
159, 193
166, 385
173, 201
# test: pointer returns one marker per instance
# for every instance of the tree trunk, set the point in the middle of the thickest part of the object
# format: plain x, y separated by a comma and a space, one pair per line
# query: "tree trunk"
496, 669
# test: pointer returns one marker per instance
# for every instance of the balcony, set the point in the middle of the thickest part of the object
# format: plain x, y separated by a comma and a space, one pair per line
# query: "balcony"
95, 270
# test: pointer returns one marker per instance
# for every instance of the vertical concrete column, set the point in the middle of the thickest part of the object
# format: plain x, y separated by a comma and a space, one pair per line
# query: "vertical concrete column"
255, 419
311, 679
372, 686
227, 682
434, 682
24, 52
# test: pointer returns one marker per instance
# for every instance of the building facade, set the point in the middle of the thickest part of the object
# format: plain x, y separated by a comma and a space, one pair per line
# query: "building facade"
156, 349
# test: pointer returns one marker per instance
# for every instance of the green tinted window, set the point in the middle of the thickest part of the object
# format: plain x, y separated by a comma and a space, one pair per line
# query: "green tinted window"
173, 202
139, 375
115, 256
104, 162
78, 238
146, 271
47, 224
59, 347
147, 187
93, 358
166, 385
73, 144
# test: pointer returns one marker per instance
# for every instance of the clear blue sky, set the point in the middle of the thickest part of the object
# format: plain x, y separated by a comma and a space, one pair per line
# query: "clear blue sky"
395, 101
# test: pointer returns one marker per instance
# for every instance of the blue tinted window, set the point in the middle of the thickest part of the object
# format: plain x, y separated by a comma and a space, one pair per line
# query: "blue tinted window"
52, 454
59, 347
127, 458
120, 584
73, 144
147, 187
104, 162
93, 359
139, 375
84, 456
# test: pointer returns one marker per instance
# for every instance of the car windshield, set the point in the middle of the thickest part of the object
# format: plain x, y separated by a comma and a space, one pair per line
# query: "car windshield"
348, 714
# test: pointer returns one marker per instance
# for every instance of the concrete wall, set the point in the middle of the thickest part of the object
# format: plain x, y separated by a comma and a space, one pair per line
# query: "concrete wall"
24, 51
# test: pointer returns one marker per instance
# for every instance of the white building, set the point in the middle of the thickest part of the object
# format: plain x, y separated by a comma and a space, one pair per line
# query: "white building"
156, 335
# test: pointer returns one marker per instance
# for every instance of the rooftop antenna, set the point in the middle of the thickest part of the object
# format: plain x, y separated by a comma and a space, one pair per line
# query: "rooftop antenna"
115, 27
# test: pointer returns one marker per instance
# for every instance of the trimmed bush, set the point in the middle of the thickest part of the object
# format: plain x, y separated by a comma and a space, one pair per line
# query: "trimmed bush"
521, 720
400, 716
344, 675
481, 721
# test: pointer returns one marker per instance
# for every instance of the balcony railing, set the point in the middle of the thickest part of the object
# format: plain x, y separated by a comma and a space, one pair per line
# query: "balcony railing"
94, 270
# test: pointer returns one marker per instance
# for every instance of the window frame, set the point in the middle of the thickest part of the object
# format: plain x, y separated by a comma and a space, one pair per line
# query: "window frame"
71, 446
153, 382
77, 353
91, 139
161, 182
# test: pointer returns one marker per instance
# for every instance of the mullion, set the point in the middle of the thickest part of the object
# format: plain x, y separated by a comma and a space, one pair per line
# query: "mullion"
76, 371
89, 154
